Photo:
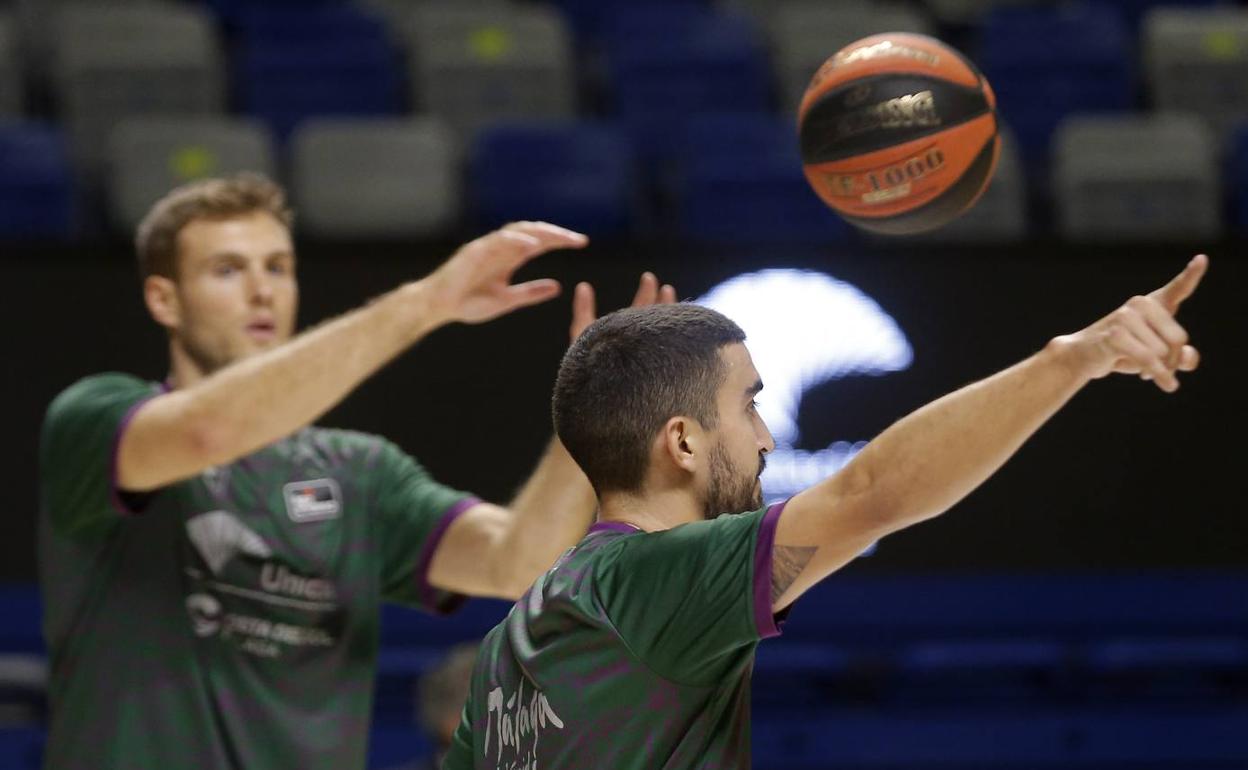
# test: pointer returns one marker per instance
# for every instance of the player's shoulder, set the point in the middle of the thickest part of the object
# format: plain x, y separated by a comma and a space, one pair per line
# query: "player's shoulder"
104, 382
696, 531
685, 540
97, 388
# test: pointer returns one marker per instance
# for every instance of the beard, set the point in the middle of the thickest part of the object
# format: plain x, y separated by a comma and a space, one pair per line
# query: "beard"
730, 490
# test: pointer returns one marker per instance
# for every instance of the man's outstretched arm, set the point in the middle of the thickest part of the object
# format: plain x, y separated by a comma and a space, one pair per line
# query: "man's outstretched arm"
260, 399
499, 551
931, 459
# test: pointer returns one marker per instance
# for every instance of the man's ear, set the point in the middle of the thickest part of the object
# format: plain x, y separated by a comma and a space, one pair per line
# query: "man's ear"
160, 294
684, 443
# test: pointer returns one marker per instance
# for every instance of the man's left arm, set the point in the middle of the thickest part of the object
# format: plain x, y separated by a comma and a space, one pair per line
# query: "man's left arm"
491, 550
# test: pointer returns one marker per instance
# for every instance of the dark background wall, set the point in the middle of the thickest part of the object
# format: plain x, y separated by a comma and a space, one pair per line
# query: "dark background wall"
1126, 477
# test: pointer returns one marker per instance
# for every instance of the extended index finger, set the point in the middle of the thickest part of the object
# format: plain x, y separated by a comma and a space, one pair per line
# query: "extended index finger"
1182, 285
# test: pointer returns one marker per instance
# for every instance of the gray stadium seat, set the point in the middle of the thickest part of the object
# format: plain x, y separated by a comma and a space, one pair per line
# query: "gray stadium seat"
376, 178
804, 35
116, 61
1000, 214
10, 67
473, 65
1197, 61
1137, 178
148, 156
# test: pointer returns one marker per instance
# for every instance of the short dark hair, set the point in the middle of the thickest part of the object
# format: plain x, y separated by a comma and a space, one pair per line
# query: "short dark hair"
216, 199
628, 374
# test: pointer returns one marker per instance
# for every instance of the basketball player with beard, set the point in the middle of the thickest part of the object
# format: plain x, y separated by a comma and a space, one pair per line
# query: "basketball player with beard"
635, 650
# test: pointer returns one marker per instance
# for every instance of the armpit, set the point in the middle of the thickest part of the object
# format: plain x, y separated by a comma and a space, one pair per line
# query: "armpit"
787, 562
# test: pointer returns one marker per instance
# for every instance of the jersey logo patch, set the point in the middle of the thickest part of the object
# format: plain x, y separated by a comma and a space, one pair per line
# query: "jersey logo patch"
219, 536
315, 500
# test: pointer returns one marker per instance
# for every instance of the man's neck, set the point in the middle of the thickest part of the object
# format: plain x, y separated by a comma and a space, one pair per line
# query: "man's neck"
650, 511
183, 371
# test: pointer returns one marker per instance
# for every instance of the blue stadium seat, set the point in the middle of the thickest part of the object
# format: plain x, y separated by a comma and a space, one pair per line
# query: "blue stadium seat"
402, 627
21, 747
1047, 62
590, 19
394, 746
739, 179
1076, 607
19, 603
1237, 178
579, 175
231, 11
292, 64
1017, 670
398, 670
1192, 669
680, 60
1184, 739
1024, 739
867, 738
791, 676
1228, 653
36, 182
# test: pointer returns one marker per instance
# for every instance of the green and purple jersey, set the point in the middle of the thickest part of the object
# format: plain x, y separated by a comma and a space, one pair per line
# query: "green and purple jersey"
230, 620
634, 651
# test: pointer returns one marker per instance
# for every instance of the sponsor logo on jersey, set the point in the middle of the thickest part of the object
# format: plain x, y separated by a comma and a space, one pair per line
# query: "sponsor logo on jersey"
315, 500
513, 724
259, 636
219, 536
278, 579
205, 612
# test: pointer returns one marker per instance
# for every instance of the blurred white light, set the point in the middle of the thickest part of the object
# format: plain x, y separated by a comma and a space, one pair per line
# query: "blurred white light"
804, 329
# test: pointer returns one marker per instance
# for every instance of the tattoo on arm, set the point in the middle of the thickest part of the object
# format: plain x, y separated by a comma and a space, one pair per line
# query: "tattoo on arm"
787, 562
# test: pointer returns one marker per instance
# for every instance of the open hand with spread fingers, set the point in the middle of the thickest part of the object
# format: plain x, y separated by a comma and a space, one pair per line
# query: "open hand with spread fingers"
649, 292
1142, 337
474, 285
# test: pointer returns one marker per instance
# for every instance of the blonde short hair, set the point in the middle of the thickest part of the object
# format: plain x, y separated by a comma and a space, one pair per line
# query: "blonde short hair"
215, 199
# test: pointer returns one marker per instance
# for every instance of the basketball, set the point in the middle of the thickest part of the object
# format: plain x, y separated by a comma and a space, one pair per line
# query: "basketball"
898, 133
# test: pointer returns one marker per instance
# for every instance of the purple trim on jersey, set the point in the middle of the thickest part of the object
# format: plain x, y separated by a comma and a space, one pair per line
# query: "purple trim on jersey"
428, 594
764, 619
114, 492
613, 526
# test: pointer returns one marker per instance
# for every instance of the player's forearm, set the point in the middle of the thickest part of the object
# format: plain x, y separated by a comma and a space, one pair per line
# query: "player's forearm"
260, 399
932, 458
551, 512
266, 397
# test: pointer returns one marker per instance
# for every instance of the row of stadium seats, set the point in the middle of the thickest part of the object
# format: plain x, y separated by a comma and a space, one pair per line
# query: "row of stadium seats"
914, 672
724, 178
490, 60
647, 71
847, 739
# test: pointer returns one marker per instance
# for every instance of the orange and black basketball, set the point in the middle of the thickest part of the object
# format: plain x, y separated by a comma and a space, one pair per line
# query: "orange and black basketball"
899, 133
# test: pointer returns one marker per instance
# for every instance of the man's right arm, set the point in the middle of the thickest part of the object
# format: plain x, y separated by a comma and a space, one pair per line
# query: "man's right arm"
260, 399
931, 459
